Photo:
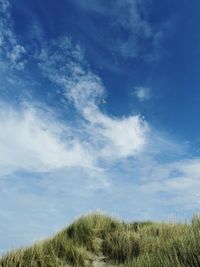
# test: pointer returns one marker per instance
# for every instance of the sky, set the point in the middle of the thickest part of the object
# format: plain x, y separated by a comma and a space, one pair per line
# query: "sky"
99, 111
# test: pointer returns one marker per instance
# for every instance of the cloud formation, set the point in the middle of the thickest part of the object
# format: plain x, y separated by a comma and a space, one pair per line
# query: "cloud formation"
32, 140
140, 39
11, 51
112, 137
98, 138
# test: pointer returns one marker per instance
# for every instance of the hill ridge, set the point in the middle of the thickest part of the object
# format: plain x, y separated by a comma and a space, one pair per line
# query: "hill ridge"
99, 240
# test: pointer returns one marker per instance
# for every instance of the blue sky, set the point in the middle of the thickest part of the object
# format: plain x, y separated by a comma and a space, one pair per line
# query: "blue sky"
99, 110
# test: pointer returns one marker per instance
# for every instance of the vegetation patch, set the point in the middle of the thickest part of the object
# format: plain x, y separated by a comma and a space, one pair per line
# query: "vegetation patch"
99, 240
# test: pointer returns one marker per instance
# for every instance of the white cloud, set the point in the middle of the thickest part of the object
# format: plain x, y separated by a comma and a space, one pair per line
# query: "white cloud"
31, 140
86, 91
142, 93
109, 137
179, 180
129, 16
97, 137
119, 137
15, 56
11, 52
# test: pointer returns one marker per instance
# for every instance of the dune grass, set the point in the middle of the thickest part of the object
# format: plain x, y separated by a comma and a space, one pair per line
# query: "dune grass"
99, 239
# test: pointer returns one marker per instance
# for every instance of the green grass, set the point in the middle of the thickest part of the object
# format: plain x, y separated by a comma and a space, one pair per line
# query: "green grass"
99, 238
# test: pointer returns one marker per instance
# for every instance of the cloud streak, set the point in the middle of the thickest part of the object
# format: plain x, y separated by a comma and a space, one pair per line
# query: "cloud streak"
32, 140
141, 38
113, 138
11, 51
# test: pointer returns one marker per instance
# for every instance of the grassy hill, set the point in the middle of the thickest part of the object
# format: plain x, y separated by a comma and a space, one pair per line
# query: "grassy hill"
98, 240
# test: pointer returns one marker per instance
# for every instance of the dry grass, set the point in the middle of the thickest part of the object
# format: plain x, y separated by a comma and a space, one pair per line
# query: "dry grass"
98, 236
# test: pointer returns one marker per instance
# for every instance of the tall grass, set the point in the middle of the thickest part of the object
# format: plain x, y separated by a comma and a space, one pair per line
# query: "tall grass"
96, 236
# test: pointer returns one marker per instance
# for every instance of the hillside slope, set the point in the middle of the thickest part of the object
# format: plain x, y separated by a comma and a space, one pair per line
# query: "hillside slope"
98, 240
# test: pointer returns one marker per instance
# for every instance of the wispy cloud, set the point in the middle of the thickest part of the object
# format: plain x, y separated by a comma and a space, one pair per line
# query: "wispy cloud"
141, 38
129, 16
179, 180
33, 140
112, 137
11, 51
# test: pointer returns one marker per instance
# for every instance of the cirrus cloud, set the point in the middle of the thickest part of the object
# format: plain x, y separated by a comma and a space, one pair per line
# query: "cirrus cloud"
32, 140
